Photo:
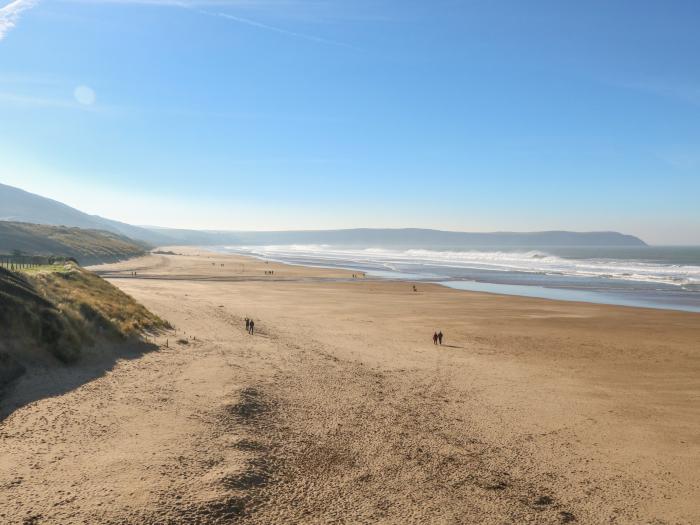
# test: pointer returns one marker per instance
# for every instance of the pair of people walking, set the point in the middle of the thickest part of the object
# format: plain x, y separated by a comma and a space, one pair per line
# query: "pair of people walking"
249, 326
437, 338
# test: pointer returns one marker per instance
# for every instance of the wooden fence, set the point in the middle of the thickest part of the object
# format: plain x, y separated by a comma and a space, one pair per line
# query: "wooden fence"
23, 262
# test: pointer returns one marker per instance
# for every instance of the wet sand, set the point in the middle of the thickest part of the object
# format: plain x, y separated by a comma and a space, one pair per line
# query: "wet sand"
341, 410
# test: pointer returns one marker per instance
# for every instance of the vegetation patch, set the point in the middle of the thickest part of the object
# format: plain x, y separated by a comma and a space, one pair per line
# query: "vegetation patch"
86, 246
61, 311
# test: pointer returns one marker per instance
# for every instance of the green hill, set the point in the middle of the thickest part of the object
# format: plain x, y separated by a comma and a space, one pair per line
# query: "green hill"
85, 246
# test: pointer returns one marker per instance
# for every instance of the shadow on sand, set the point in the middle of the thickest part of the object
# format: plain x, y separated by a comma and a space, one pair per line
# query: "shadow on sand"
52, 378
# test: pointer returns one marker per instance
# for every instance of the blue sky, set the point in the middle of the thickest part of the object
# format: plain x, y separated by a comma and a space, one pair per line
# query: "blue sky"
462, 115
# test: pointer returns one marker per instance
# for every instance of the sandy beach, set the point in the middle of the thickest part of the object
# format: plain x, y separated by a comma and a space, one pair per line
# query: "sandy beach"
340, 409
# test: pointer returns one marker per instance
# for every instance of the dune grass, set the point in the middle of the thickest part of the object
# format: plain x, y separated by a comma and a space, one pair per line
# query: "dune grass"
64, 309
88, 296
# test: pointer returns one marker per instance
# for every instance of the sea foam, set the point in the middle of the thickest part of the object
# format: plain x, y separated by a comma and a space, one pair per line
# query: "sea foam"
428, 262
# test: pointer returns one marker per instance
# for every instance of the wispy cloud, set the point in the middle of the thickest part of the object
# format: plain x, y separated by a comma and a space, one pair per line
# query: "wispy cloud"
266, 27
266, 6
190, 3
251, 5
309, 10
10, 13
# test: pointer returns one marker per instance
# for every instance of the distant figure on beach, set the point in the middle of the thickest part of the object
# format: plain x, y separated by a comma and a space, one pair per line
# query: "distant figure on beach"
251, 327
439, 336
414, 288
247, 324
435, 338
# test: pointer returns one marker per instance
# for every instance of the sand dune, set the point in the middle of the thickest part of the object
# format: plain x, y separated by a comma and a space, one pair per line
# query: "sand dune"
341, 410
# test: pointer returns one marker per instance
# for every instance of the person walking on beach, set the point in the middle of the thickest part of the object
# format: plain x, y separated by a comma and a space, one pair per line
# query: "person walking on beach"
247, 324
440, 337
251, 327
435, 338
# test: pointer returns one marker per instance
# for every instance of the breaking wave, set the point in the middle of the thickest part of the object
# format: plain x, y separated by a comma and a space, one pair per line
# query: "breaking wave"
429, 262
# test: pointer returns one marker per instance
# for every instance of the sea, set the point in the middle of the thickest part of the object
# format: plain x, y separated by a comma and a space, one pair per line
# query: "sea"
666, 277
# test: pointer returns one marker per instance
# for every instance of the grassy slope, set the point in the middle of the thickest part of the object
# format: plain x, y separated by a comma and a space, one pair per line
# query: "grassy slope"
61, 312
86, 246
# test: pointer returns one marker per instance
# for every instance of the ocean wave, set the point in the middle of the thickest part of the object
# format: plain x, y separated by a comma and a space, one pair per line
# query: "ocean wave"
533, 261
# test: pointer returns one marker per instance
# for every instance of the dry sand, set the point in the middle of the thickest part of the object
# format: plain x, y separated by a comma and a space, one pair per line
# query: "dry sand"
341, 410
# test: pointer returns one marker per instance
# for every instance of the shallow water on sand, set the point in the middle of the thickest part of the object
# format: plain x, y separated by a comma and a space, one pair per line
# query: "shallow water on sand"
653, 277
